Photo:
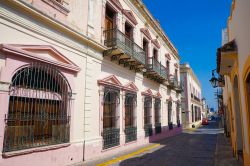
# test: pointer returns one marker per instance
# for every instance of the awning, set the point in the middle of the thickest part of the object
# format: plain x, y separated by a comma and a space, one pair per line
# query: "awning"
226, 57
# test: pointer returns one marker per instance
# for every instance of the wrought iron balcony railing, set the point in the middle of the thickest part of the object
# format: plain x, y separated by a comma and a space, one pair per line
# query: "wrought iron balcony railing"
157, 67
148, 130
175, 84
111, 137
114, 38
131, 134
197, 99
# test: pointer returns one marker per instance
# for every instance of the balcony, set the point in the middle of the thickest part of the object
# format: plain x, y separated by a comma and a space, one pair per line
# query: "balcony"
129, 54
155, 70
174, 84
197, 99
124, 50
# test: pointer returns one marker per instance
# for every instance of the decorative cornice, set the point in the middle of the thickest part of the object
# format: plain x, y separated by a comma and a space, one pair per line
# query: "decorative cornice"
145, 31
158, 95
148, 92
110, 81
156, 43
141, 7
169, 99
117, 4
168, 56
26, 52
48, 22
58, 6
130, 16
113, 81
130, 87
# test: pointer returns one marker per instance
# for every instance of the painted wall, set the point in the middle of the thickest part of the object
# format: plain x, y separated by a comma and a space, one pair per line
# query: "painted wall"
238, 30
191, 85
19, 26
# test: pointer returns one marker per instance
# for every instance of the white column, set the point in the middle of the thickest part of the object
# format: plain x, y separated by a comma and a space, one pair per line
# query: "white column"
101, 103
153, 112
122, 117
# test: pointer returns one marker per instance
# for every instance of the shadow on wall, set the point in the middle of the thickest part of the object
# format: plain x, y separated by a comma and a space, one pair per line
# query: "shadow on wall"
150, 83
165, 133
113, 68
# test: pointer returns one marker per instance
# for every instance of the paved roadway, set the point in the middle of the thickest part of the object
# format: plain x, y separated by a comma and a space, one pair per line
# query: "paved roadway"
191, 148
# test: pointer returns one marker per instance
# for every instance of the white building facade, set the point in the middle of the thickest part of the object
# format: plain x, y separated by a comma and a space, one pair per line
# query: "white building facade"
80, 79
192, 103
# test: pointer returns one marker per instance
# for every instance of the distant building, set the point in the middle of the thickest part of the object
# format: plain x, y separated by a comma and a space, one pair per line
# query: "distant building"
191, 100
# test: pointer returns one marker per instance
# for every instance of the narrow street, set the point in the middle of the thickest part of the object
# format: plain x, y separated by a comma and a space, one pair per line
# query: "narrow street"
190, 148
193, 147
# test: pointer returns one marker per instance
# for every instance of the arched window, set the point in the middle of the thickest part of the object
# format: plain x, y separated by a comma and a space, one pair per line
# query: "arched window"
130, 117
148, 116
111, 131
38, 108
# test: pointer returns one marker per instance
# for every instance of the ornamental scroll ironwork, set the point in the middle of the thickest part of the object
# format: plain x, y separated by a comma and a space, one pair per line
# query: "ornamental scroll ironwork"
39, 107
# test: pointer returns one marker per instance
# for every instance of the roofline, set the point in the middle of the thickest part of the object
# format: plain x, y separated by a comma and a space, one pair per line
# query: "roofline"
184, 68
141, 6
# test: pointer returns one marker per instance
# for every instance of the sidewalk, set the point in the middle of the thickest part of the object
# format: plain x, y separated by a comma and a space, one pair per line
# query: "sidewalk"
224, 153
123, 155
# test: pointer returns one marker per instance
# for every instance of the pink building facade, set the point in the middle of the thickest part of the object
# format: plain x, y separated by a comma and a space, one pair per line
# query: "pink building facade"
80, 79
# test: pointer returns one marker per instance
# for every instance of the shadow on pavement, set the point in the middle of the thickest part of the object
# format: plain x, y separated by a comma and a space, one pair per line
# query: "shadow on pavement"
183, 150
180, 150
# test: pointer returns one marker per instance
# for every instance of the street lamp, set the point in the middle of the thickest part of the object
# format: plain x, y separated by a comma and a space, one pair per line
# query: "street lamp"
214, 80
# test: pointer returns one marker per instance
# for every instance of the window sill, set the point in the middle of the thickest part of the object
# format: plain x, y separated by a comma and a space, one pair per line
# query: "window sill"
112, 148
33, 150
58, 6
129, 143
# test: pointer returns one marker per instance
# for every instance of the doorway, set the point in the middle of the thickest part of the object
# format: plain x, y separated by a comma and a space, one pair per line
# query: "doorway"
239, 141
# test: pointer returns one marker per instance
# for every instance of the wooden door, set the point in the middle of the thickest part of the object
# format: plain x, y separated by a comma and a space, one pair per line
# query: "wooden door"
109, 27
108, 23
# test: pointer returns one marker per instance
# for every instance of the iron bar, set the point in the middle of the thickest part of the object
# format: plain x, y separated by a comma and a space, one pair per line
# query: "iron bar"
36, 118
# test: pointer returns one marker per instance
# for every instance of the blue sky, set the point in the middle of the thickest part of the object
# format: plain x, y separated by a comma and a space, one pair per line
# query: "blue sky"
194, 27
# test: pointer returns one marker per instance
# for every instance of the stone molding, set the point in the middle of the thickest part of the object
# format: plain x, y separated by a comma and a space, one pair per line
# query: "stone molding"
130, 16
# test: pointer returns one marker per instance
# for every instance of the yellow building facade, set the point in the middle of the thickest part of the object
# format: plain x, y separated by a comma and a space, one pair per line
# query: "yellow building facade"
233, 63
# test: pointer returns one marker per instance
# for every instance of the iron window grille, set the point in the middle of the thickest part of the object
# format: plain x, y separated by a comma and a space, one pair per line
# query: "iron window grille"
130, 118
111, 131
38, 108
178, 114
157, 108
170, 123
148, 116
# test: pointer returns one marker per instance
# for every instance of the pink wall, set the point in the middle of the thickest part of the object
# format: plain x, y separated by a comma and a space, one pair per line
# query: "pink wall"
50, 155
94, 150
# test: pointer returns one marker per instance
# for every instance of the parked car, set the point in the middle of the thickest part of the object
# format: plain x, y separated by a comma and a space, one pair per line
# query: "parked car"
204, 121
